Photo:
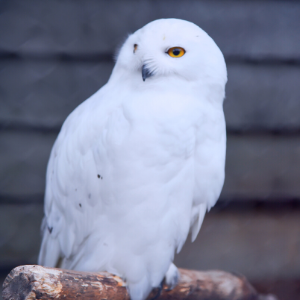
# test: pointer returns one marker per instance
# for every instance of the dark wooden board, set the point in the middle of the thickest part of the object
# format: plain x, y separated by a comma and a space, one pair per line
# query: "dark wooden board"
23, 160
257, 29
257, 167
41, 94
262, 97
259, 243
262, 167
20, 236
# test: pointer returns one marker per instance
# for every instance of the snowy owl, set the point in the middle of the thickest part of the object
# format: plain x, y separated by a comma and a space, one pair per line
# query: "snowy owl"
136, 166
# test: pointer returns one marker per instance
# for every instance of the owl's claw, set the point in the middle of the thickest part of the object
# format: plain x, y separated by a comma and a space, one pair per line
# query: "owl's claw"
172, 277
159, 290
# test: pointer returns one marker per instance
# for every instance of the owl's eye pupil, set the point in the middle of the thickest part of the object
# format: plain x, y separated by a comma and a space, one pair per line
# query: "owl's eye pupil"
176, 52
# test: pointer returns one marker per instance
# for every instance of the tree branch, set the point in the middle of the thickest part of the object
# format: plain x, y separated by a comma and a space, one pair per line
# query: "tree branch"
36, 282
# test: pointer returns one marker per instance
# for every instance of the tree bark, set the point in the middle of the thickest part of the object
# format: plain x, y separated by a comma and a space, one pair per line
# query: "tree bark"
36, 282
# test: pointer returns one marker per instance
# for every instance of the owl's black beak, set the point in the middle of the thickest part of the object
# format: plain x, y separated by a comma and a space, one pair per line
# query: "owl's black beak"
146, 72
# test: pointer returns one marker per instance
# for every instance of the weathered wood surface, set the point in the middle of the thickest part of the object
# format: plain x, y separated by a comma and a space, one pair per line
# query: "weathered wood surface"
54, 54
241, 28
261, 243
42, 93
36, 282
257, 166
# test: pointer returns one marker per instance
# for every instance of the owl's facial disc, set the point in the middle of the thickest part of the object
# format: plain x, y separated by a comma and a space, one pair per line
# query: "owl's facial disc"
171, 49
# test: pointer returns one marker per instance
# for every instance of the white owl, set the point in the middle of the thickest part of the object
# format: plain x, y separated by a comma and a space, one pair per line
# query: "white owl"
136, 166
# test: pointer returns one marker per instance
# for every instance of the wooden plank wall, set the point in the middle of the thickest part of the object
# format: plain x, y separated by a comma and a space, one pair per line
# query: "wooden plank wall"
54, 54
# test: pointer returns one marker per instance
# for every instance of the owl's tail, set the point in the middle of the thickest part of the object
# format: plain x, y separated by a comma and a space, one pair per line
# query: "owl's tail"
50, 249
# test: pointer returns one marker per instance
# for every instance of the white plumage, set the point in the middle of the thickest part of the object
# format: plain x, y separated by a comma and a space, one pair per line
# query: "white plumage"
136, 166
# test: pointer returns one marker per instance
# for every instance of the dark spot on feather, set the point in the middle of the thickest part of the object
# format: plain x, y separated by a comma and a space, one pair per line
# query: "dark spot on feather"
80, 204
98, 176
89, 195
50, 229
135, 46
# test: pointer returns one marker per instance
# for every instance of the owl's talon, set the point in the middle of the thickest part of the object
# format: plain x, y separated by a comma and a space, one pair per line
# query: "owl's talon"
160, 288
172, 277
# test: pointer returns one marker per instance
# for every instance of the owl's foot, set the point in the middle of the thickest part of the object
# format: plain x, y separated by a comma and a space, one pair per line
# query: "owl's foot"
172, 277
159, 290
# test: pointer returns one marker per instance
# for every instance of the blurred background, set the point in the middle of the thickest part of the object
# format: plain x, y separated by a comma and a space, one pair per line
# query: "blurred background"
55, 54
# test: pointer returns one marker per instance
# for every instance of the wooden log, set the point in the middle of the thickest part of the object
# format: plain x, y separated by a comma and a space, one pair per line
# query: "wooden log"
36, 282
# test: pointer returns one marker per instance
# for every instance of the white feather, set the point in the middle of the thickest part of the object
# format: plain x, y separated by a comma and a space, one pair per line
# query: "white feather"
137, 164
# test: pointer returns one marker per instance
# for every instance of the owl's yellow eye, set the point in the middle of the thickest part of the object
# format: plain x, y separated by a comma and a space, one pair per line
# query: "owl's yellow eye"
176, 52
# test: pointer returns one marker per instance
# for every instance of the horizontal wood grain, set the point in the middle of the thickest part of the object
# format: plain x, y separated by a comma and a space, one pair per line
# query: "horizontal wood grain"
36, 282
241, 28
41, 94
257, 166
258, 243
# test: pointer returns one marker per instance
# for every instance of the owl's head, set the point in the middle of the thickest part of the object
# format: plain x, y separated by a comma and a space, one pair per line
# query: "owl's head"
174, 48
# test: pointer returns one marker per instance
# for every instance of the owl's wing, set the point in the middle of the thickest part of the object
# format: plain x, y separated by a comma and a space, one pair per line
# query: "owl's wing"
209, 168
198, 213
73, 196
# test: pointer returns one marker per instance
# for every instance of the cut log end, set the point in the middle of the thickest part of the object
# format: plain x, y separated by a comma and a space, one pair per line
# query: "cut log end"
36, 282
